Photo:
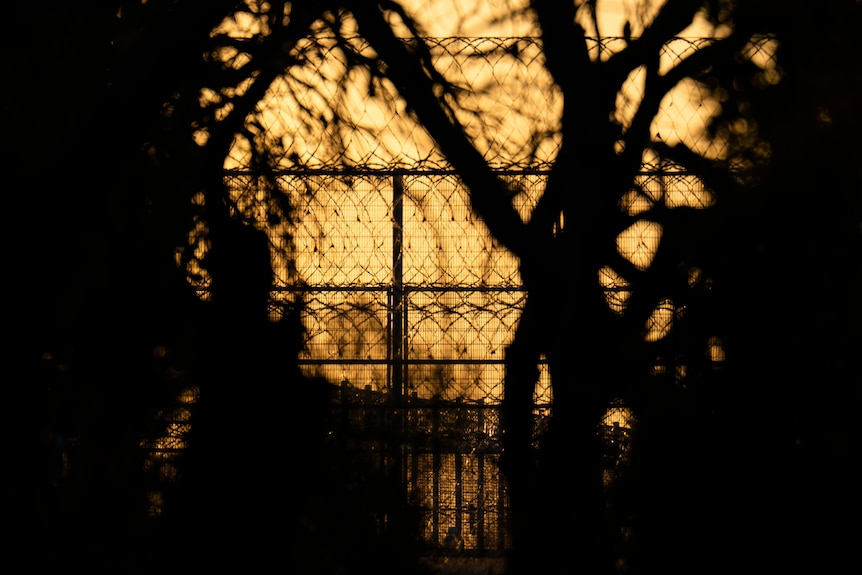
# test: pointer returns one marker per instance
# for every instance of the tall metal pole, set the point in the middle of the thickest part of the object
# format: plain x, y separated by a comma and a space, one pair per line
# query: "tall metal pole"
398, 381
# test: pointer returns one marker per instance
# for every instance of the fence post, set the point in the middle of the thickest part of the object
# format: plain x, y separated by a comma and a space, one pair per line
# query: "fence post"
398, 380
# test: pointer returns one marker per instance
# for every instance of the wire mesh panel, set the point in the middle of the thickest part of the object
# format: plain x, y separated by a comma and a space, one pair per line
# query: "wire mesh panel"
397, 268
408, 305
343, 233
347, 337
408, 302
456, 342
445, 243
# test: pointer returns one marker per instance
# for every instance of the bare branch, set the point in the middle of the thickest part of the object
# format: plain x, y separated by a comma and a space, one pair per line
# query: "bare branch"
489, 194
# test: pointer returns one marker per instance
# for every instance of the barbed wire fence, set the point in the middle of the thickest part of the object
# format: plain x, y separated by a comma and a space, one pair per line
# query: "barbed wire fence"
408, 302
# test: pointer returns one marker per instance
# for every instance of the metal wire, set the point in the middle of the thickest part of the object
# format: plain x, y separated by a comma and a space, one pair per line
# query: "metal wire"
405, 293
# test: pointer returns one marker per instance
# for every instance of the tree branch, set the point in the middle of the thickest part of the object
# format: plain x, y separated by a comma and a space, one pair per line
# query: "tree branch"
673, 17
489, 194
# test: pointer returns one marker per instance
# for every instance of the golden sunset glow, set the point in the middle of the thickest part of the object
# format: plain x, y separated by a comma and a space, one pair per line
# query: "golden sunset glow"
383, 238
433, 287
323, 113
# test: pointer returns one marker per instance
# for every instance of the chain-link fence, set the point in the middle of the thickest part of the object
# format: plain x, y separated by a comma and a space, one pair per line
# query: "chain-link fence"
408, 301
408, 306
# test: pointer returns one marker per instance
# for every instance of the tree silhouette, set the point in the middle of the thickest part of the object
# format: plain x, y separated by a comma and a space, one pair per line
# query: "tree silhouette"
596, 166
745, 405
108, 331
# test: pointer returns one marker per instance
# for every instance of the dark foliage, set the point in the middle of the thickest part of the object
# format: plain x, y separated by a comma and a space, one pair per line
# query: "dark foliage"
749, 465
106, 331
